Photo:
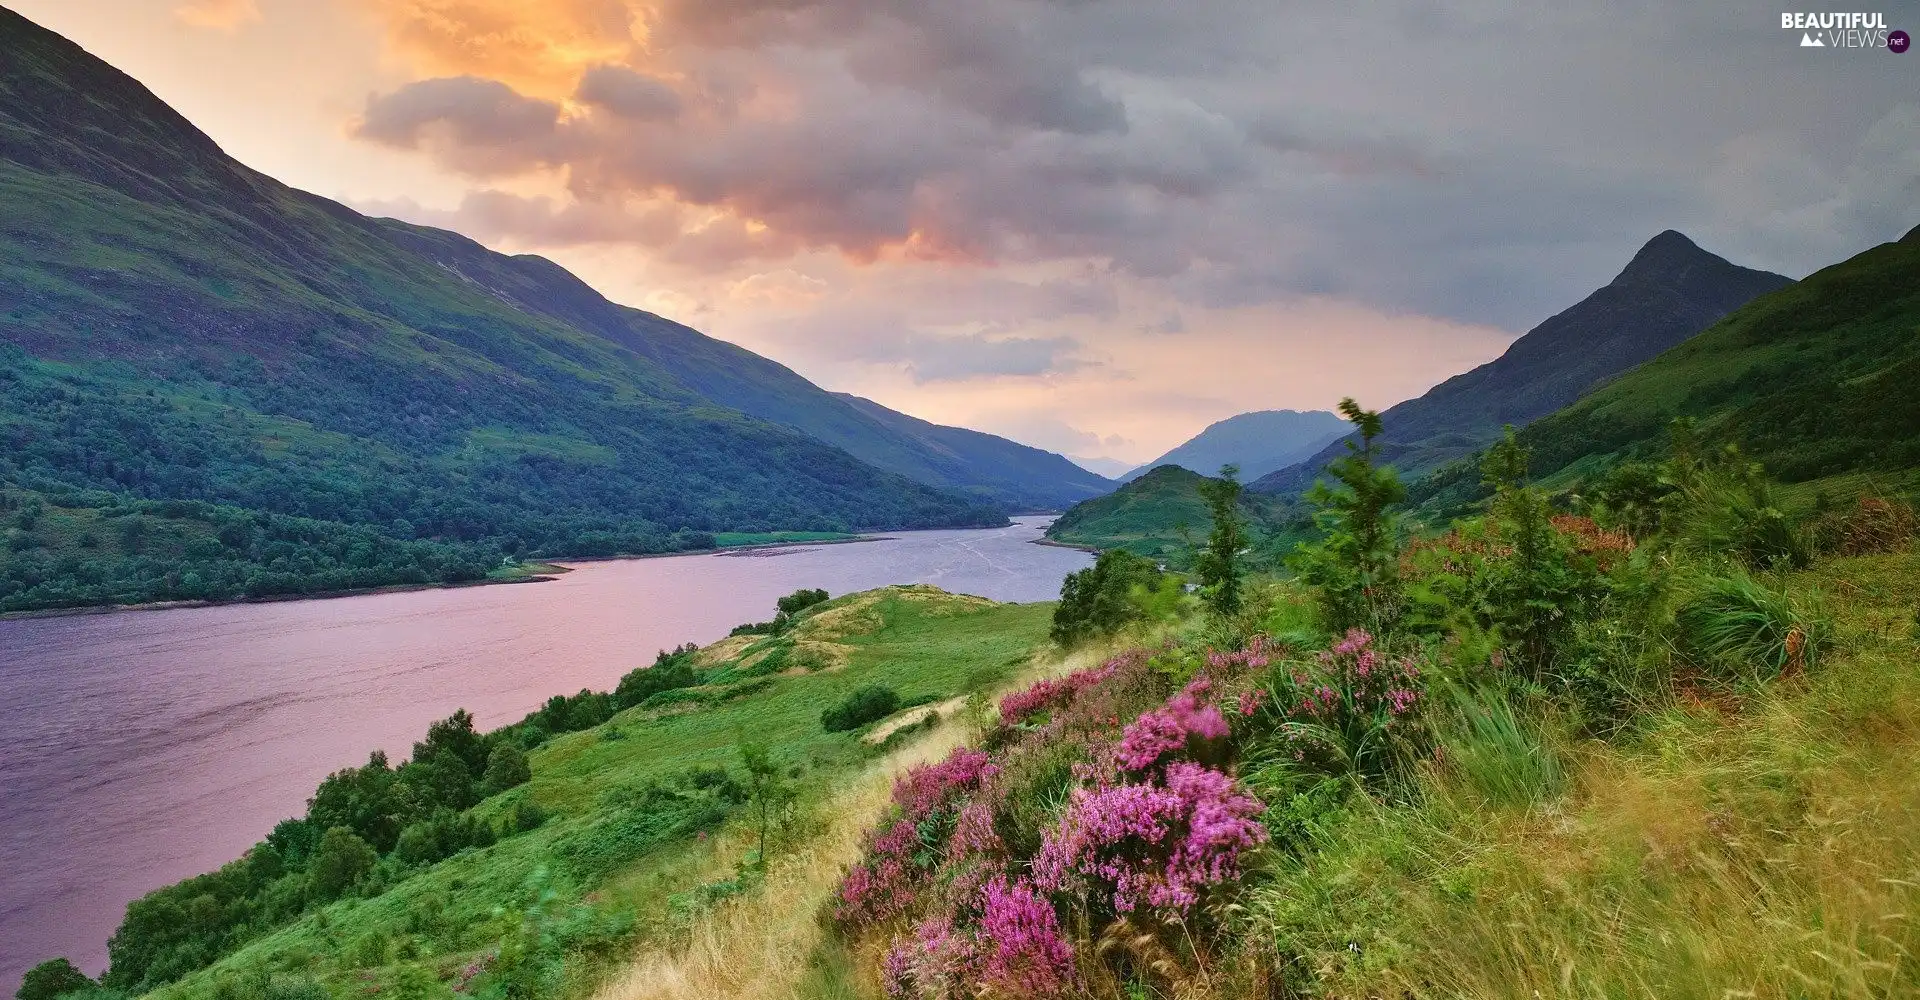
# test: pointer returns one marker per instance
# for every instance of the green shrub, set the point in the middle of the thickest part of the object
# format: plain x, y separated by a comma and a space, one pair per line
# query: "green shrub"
507, 767
1100, 600
670, 670
1743, 630
52, 978
342, 863
864, 705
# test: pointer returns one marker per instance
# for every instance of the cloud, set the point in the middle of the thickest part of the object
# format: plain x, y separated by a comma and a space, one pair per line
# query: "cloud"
218, 15
1243, 151
628, 94
536, 47
480, 126
939, 358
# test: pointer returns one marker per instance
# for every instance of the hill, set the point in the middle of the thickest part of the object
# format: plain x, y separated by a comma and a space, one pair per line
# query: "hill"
213, 384
1671, 290
631, 817
1260, 442
1814, 381
1159, 515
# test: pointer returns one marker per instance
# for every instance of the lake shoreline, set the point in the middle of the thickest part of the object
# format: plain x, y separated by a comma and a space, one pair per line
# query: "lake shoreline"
546, 571
1050, 543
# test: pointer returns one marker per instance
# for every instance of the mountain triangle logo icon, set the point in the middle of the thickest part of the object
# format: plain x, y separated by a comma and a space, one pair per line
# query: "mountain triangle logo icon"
1807, 41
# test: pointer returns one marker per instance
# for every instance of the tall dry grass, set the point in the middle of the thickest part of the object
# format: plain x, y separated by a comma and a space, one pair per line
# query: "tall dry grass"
1768, 850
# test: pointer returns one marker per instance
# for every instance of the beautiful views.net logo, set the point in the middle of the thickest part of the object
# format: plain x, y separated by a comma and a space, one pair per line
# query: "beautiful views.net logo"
1844, 30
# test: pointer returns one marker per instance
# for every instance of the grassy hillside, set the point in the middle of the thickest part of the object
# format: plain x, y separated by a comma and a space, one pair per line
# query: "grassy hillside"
1159, 515
176, 328
1813, 381
648, 818
1671, 290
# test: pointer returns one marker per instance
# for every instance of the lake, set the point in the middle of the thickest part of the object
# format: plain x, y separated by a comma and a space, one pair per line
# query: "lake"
146, 746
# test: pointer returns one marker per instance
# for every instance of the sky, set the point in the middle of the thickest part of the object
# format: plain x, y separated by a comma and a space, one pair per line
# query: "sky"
1094, 226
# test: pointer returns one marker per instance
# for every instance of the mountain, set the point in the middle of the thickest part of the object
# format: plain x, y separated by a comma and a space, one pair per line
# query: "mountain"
1671, 290
1111, 468
1012, 473
1004, 472
1814, 381
1259, 442
213, 384
1160, 515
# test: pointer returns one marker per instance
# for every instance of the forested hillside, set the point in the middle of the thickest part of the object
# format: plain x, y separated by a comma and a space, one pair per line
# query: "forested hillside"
214, 384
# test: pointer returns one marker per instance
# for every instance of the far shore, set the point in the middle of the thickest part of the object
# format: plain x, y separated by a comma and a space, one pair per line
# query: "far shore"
1066, 545
535, 572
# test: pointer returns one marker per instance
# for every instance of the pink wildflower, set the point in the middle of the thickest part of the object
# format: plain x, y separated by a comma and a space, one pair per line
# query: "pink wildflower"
1170, 728
1025, 953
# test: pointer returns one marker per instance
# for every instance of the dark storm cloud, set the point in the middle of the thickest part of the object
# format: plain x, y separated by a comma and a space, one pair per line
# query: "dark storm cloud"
1471, 161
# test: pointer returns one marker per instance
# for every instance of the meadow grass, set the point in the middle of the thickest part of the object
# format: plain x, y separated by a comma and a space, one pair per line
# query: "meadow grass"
916, 639
1760, 846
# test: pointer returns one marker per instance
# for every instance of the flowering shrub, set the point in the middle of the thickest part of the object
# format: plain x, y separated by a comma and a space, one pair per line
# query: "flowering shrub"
982, 857
1174, 727
1014, 946
1348, 713
883, 885
1057, 692
1025, 952
1150, 844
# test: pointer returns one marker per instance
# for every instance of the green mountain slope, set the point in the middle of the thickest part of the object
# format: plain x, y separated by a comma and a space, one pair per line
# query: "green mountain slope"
1013, 473
1260, 442
1159, 515
187, 342
1671, 290
995, 468
1814, 381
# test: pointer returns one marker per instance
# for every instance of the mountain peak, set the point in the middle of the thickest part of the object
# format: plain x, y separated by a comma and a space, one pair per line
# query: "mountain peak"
1664, 254
1913, 236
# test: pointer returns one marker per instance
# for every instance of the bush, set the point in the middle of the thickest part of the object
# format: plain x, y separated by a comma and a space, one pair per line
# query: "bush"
1099, 600
670, 671
51, 979
507, 767
342, 862
1745, 631
864, 705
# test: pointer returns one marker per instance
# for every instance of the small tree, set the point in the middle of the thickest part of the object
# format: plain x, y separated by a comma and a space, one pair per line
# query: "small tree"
341, 863
51, 979
1218, 564
767, 790
1355, 565
1538, 591
1100, 600
507, 767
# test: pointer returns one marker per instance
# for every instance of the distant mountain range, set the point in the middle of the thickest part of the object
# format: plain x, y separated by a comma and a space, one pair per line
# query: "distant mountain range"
1670, 291
1259, 443
284, 377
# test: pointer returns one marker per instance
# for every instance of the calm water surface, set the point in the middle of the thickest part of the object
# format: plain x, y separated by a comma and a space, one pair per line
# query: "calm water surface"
139, 748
